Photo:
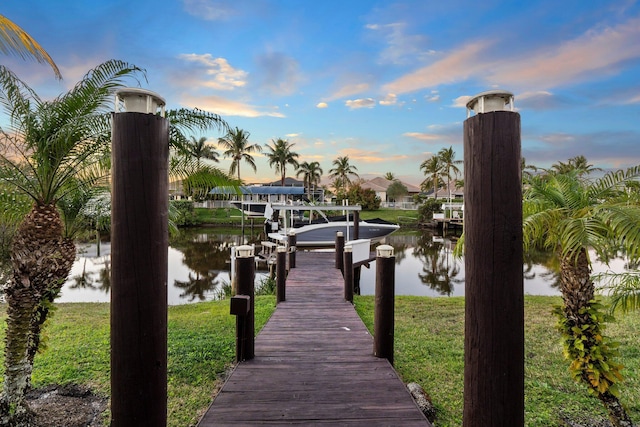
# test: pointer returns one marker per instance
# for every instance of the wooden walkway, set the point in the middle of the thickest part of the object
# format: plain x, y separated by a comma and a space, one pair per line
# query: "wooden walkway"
314, 364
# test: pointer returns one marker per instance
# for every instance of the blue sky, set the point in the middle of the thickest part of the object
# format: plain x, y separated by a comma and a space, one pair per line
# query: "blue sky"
383, 82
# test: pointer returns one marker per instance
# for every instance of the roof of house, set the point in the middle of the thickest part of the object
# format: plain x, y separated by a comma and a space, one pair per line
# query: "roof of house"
260, 189
381, 184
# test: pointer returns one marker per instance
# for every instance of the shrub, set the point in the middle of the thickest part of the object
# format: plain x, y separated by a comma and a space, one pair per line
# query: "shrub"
183, 213
426, 210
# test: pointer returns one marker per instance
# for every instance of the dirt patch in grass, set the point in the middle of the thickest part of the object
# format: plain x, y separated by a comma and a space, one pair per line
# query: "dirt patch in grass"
69, 406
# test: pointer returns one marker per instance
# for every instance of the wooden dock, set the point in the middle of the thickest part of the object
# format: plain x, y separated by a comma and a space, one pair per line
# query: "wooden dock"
314, 364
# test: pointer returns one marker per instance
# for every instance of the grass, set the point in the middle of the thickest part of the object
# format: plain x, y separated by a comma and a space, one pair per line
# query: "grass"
201, 350
429, 350
218, 216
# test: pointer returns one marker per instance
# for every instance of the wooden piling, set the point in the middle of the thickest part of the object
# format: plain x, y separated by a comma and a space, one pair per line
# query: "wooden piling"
245, 270
494, 301
339, 250
384, 311
348, 274
281, 274
139, 255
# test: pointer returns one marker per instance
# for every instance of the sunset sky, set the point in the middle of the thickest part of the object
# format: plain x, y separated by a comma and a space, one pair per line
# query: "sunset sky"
383, 82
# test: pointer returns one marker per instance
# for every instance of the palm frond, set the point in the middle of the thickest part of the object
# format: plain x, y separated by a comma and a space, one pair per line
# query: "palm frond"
18, 42
185, 121
614, 181
622, 288
16, 98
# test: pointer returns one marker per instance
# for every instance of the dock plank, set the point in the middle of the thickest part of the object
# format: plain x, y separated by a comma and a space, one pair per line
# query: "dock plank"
314, 364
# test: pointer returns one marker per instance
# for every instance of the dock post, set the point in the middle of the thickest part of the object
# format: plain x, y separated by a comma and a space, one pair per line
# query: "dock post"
293, 241
384, 312
356, 225
239, 306
245, 270
348, 273
339, 250
139, 258
281, 274
494, 308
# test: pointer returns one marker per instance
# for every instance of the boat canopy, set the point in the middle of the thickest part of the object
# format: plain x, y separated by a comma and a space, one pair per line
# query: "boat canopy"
260, 190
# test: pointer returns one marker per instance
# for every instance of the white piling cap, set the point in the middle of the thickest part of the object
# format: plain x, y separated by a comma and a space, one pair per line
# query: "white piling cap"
491, 100
136, 100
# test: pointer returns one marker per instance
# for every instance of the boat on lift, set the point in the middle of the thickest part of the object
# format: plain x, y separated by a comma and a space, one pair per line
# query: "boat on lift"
314, 228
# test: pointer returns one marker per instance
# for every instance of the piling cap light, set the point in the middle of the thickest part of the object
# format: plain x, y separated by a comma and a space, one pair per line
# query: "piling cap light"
244, 251
136, 100
384, 251
348, 248
281, 248
491, 100
340, 234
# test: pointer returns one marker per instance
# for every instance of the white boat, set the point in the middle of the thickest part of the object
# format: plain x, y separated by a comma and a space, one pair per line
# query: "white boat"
321, 231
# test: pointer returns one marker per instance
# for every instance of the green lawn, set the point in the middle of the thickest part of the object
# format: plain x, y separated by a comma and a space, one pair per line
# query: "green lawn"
429, 350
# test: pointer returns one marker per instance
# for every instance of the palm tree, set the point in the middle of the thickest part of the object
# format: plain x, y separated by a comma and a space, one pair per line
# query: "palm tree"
14, 40
312, 173
578, 163
200, 150
433, 170
526, 170
236, 143
389, 176
448, 161
341, 173
53, 142
281, 156
51, 150
569, 214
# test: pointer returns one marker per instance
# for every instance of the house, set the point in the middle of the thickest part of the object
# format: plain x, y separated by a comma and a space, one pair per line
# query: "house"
380, 185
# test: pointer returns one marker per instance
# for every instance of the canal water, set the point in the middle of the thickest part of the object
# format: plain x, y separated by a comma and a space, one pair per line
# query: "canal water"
199, 268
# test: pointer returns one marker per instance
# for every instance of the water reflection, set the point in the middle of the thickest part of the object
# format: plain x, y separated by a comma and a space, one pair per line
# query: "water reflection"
439, 271
199, 268
426, 266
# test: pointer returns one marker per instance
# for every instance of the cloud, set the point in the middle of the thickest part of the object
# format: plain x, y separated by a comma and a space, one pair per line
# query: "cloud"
592, 55
633, 99
537, 100
209, 10
401, 47
612, 149
423, 136
390, 99
216, 73
461, 101
349, 90
596, 53
433, 97
457, 66
360, 103
278, 73
367, 156
227, 107
322, 105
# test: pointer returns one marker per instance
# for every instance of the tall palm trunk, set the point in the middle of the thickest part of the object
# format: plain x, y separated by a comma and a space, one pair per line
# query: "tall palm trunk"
578, 293
41, 261
67, 250
576, 286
